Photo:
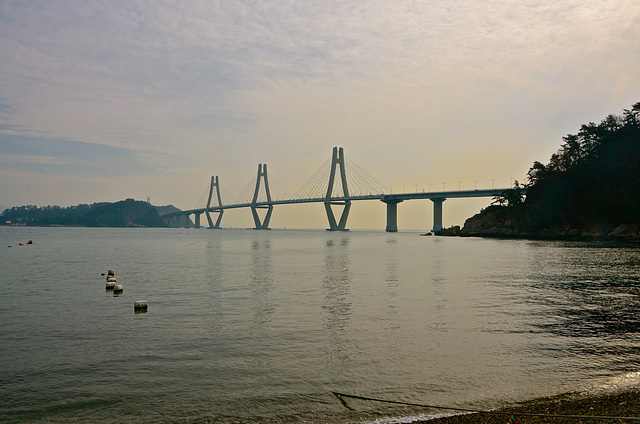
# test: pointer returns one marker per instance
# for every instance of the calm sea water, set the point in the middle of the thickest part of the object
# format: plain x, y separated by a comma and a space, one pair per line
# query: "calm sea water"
261, 326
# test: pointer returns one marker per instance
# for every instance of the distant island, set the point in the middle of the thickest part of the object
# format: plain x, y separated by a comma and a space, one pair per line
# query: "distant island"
589, 189
126, 213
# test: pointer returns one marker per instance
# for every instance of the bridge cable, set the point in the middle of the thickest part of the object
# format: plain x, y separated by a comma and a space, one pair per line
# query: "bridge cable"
363, 183
313, 186
201, 202
317, 186
277, 190
369, 180
246, 196
319, 189
359, 183
342, 396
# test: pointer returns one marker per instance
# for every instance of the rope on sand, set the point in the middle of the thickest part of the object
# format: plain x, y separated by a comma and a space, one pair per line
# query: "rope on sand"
342, 396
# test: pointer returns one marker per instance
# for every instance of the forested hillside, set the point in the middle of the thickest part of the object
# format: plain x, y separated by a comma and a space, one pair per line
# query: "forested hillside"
126, 213
589, 188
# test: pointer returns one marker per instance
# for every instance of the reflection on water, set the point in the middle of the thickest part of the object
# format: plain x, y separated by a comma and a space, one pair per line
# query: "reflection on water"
392, 280
261, 284
214, 280
336, 305
336, 285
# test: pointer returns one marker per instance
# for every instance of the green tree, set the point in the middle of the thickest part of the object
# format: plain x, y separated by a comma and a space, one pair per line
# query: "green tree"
511, 197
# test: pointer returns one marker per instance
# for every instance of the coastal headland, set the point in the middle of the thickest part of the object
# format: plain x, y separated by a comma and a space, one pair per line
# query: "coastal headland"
588, 190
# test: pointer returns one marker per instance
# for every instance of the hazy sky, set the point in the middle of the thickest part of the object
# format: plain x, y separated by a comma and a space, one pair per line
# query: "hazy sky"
104, 100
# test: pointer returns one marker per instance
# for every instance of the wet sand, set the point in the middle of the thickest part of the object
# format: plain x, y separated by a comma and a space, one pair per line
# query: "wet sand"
585, 410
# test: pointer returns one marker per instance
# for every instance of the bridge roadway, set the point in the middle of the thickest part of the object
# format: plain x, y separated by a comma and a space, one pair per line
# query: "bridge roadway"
392, 200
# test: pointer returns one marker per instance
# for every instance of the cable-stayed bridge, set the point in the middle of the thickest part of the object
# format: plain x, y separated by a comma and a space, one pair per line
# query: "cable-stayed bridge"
339, 182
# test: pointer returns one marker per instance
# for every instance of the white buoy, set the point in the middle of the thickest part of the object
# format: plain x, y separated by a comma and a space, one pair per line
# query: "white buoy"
111, 280
111, 274
111, 285
140, 306
118, 288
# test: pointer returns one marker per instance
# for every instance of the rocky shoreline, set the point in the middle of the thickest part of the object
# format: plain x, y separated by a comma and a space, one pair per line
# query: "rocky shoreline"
497, 225
619, 407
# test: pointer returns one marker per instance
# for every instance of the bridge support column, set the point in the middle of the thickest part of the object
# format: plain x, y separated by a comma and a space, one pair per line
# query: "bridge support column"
264, 225
197, 220
337, 159
437, 214
392, 216
214, 183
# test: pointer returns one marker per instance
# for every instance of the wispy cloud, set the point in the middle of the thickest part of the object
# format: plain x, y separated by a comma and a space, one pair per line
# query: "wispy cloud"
18, 160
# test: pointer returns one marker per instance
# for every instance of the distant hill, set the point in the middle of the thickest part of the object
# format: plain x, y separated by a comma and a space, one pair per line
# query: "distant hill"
162, 210
126, 213
588, 189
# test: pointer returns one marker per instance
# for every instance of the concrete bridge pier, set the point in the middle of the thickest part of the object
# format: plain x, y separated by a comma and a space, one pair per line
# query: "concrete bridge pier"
437, 214
338, 225
197, 220
215, 225
215, 182
337, 164
392, 215
264, 225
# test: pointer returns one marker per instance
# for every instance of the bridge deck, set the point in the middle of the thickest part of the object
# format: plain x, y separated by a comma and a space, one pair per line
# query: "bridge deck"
387, 198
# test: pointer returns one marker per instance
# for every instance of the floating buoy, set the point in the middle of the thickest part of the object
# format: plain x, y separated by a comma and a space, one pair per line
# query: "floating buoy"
110, 273
111, 285
118, 288
140, 306
102, 274
20, 244
30, 242
111, 280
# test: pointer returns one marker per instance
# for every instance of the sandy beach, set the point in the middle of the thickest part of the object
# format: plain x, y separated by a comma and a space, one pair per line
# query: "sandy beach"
570, 409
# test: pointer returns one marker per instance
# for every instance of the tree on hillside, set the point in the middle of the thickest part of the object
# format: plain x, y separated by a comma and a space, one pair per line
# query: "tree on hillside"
511, 197
593, 177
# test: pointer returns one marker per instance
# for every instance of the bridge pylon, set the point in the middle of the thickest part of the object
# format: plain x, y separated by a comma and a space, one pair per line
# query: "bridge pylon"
337, 162
437, 213
392, 214
214, 183
262, 175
